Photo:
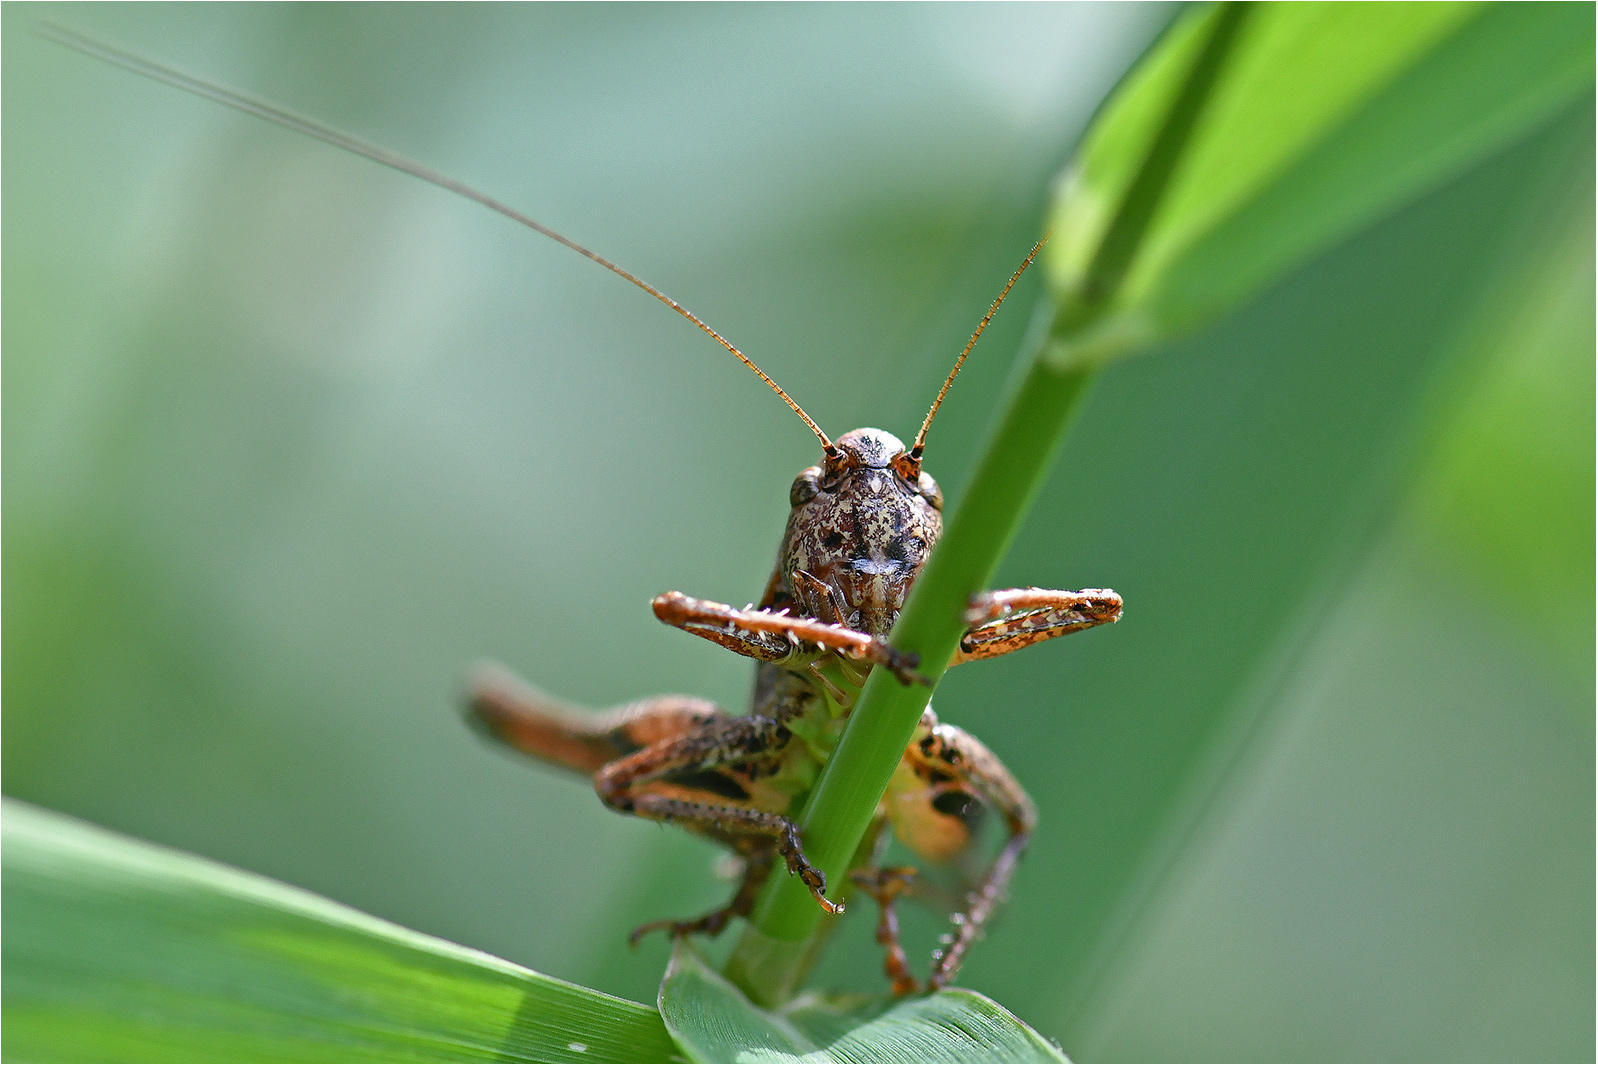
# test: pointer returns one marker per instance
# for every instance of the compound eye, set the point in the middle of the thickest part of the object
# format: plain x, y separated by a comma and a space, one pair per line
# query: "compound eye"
929, 489
805, 487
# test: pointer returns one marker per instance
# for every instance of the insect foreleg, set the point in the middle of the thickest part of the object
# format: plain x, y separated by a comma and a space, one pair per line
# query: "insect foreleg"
820, 599
1011, 619
684, 780
776, 637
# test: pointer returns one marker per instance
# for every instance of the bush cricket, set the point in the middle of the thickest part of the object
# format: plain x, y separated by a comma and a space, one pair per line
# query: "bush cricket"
862, 523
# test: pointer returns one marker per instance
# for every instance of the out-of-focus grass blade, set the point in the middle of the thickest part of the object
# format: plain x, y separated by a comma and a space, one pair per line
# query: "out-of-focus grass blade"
117, 950
714, 1022
1326, 117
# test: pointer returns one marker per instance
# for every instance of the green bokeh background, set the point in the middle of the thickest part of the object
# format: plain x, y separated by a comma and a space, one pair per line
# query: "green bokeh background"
291, 439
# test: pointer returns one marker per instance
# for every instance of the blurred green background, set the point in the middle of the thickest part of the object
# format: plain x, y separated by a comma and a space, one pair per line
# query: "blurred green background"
291, 439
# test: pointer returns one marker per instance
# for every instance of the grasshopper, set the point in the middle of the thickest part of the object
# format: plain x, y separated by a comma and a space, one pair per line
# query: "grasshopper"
863, 522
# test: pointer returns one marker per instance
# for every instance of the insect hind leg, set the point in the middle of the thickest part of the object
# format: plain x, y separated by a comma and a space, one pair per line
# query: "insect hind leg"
507, 710
964, 764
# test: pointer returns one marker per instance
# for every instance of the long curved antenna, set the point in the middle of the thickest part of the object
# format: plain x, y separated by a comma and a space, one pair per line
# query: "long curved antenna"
920, 444
311, 128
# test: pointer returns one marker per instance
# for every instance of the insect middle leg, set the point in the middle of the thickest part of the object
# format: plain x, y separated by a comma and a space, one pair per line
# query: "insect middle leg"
701, 781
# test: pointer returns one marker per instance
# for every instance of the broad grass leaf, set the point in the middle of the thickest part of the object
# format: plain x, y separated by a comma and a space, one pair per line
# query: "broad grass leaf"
118, 950
1324, 118
714, 1022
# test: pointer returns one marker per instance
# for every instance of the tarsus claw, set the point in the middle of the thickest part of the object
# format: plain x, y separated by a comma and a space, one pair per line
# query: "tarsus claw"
816, 882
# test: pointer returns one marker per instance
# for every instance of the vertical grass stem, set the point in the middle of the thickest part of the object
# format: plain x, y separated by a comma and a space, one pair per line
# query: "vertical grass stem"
772, 956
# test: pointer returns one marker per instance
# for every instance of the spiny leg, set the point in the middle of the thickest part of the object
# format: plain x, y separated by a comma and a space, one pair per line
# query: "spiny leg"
884, 884
668, 758
777, 637
734, 820
757, 867
698, 780
954, 763
981, 903
1010, 619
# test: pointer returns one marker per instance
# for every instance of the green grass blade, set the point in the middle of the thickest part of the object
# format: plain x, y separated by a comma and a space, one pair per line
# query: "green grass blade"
714, 1022
117, 950
1328, 117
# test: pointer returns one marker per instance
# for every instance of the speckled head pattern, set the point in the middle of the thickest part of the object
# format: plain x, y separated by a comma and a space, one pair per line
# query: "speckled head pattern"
862, 526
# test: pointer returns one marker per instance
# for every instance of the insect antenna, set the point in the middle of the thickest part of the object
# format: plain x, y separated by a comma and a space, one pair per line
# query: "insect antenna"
311, 128
921, 437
